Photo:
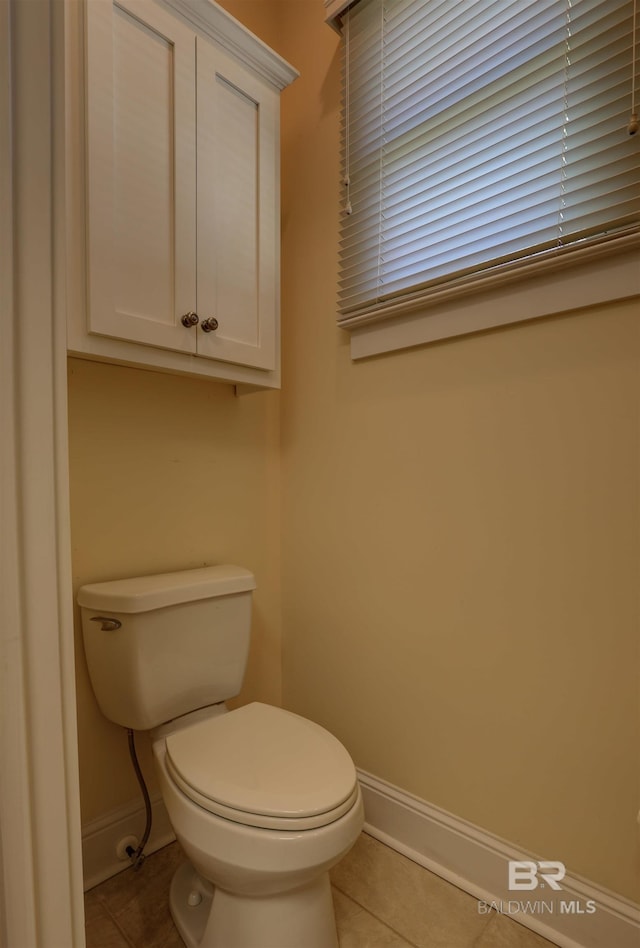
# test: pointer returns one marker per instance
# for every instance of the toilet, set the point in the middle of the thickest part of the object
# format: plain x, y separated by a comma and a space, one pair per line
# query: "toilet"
262, 801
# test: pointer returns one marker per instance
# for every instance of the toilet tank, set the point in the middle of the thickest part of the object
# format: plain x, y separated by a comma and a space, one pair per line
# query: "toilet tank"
161, 646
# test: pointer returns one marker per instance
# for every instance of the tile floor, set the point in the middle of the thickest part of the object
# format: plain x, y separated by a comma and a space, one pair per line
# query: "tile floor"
382, 900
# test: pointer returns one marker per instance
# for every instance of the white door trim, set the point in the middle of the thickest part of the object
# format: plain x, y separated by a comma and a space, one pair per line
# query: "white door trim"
40, 852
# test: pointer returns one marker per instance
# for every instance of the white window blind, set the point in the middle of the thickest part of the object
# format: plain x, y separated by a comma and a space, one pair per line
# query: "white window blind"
480, 137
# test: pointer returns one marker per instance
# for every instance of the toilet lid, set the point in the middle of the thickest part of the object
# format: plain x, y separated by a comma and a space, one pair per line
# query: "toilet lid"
263, 766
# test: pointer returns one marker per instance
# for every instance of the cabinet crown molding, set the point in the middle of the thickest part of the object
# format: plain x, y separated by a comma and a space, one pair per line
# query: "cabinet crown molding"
220, 26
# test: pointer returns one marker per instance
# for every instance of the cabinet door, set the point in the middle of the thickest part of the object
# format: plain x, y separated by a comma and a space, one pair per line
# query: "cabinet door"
238, 199
141, 173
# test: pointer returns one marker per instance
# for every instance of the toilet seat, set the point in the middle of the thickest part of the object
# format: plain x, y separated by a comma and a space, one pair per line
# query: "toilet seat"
265, 767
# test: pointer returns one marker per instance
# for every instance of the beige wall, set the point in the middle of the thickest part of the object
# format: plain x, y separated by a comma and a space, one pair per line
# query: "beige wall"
169, 473
460, 538
459, 530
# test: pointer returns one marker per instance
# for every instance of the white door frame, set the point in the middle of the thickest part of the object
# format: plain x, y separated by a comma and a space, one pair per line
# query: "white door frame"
40, 852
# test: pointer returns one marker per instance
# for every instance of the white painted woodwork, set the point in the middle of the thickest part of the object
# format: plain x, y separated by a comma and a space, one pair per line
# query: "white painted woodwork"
141, 173
40, 855
182, 189
476, 862
237, 217
333, 10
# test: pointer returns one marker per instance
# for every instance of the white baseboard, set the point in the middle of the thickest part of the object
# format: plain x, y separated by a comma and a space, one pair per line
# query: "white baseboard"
477, 862
468, 857
100, 839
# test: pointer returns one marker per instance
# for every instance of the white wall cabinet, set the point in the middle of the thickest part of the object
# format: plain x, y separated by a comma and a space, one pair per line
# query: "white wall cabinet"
174, 197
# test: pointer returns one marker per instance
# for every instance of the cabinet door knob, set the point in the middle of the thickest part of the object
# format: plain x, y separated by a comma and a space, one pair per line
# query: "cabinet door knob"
210, 324
190, 319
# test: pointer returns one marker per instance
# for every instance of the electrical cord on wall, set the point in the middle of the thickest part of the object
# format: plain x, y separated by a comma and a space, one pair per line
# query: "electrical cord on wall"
136, 855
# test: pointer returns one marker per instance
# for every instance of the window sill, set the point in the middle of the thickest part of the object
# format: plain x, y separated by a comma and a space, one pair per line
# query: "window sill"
588, 280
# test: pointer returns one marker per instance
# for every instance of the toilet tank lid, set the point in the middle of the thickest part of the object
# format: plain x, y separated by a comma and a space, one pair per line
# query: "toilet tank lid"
144, 593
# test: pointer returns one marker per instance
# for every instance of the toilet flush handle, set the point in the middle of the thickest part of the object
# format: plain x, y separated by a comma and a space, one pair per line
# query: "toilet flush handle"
108, 624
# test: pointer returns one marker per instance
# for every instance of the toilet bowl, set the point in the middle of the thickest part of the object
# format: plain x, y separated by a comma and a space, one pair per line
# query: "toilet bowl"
260, 832
262, 801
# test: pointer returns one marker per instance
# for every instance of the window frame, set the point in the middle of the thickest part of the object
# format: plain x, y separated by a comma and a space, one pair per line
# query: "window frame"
574, 278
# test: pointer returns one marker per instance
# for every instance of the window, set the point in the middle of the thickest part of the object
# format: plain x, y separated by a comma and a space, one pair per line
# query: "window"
489, 172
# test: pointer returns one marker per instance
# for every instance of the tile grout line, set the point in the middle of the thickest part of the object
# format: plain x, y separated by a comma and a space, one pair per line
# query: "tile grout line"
105, 905
489, 921
377, 918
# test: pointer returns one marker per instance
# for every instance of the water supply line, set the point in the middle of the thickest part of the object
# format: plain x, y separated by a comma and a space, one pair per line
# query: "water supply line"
136, 855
